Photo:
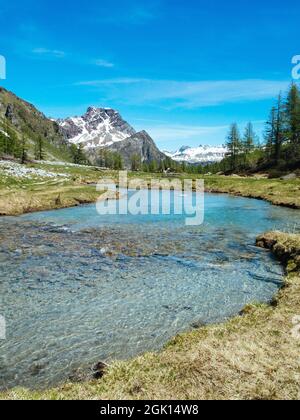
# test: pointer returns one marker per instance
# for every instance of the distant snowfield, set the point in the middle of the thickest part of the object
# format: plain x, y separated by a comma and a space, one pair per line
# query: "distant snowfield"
16, 170
201, 154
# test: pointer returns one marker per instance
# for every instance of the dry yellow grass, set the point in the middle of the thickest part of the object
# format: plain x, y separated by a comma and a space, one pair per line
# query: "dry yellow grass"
276, 191
47, 197
254, 356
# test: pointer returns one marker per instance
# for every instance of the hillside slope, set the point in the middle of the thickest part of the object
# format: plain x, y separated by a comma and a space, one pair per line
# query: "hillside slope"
23, 119
139, 144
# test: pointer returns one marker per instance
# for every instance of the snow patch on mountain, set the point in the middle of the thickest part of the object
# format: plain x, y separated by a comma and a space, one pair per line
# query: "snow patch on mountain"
98, 127
201, 154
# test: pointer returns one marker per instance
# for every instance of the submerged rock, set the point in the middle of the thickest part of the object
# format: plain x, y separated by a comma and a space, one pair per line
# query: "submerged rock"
198, 324
99, 370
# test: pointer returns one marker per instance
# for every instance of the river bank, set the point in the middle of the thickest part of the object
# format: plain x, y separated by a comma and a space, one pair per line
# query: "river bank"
39, 198
279, 192
49, 186
254, 356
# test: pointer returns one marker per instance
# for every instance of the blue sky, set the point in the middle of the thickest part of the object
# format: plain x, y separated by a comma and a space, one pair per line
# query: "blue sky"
181, 70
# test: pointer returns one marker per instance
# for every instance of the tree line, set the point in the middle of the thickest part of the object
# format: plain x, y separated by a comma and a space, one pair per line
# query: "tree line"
21, 146
278, 151
280, 146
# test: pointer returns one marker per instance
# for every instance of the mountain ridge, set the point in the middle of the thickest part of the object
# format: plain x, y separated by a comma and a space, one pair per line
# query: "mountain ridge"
140, 144
105, 129
98, 127
203, 154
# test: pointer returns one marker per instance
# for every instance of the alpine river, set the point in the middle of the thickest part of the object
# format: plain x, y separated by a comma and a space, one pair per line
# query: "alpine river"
77, 288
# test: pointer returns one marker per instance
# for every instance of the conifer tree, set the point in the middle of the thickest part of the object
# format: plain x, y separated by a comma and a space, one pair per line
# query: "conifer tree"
153, 166
77, 154
292, 111
3, 141
234, 145
23, 150
39, 149
10, 140
249, 139
270, 134
117, 162
279, 129
136, 162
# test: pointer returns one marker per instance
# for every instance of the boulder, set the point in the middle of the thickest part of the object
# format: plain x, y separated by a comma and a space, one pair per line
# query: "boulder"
289, 177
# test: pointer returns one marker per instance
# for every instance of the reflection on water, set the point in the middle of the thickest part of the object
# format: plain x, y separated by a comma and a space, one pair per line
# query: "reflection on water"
77, 288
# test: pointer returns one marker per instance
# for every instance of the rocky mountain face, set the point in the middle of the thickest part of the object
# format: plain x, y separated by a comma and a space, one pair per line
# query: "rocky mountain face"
140, 144
24, 119
104, 128
201, 155
98, 127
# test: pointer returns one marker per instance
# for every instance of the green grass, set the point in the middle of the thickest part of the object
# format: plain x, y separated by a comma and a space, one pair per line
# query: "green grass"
276, 191
25, 195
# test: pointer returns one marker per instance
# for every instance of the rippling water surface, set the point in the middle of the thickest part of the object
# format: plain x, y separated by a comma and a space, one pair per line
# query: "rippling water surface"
77, 288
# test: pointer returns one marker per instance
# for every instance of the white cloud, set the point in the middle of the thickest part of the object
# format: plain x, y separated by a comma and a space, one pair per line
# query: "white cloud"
185, 94
104, 63
185, 132
111, 82
171, 136
49, 53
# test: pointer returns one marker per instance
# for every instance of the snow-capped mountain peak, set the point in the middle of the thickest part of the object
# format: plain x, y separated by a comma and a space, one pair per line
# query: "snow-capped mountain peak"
98, 127
202, 154
184, 149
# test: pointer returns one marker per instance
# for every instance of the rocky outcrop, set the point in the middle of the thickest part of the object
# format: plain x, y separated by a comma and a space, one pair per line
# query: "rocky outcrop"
10, 114
289, 177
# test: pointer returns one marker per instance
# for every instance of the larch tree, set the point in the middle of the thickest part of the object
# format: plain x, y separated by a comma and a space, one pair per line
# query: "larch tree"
234, 145
249, 139
292, 111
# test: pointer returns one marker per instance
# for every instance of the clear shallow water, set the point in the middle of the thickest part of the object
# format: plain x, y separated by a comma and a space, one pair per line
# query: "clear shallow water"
77, 288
